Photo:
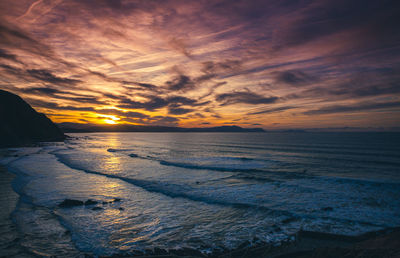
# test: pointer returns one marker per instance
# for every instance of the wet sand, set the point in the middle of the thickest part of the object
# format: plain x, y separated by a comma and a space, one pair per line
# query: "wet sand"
9, 246
380, 244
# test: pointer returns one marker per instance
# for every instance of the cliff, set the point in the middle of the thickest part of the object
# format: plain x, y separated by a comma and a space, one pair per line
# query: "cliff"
21, 125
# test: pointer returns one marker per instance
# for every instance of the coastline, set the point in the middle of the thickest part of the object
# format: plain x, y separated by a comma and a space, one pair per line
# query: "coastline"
9, 246
383, 243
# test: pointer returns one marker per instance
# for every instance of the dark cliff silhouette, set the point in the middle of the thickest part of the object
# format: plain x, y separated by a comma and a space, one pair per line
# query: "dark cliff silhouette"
21, 125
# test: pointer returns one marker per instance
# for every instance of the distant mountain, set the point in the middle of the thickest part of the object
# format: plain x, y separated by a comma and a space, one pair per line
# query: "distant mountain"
20, 124
80, 128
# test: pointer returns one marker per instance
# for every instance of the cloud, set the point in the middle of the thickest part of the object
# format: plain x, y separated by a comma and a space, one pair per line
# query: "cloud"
214, 58
6, 55
179, 111
271, 110
62, 95
229, 65
294, 77
245, 97
47, 76
361, 85
180, 83
180, 46
322, 19
129, 114
153, 103
55, 106
163, 120
353, 108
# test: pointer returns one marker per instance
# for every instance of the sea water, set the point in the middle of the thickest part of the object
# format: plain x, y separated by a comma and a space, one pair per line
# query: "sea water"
207, 191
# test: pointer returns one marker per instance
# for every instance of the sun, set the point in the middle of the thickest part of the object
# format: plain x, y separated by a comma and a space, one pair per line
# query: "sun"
109, 121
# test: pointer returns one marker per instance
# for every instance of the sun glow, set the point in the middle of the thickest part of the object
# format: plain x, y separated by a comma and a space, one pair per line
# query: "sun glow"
109, 121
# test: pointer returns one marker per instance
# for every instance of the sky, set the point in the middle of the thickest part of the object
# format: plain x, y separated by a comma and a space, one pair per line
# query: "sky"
275, 64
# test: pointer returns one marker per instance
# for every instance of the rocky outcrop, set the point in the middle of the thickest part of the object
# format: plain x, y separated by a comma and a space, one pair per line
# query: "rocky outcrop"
21, 125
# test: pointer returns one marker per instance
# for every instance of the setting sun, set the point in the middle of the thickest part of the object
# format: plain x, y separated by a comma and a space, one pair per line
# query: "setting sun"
109, 121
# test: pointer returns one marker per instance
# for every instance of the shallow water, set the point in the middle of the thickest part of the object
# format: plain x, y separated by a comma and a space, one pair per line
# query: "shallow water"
203, 190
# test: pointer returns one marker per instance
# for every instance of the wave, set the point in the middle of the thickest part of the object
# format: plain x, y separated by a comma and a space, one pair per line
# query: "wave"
184, 191
308, 149
170, 189
222, 168
118, 150
208, 167
250, 173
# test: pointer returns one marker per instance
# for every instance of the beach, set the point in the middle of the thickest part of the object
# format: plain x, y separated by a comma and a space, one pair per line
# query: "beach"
384, 243
8, 232
128, 194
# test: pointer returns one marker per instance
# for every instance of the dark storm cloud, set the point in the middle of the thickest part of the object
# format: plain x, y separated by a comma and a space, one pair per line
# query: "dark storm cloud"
245, 97
353, 108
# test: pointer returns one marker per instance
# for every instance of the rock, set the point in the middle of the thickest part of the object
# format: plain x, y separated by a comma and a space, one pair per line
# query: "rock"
97, 208
121, 209
22, 125
67, 203
90, 202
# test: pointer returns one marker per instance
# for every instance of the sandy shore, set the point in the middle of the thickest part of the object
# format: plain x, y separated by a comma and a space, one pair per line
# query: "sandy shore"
380, 244
9, 239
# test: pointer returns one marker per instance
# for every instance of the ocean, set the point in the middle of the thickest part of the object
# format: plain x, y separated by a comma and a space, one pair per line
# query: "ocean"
205, 191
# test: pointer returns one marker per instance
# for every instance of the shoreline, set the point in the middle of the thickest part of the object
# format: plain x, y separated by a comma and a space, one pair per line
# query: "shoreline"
9, 237
382, 243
